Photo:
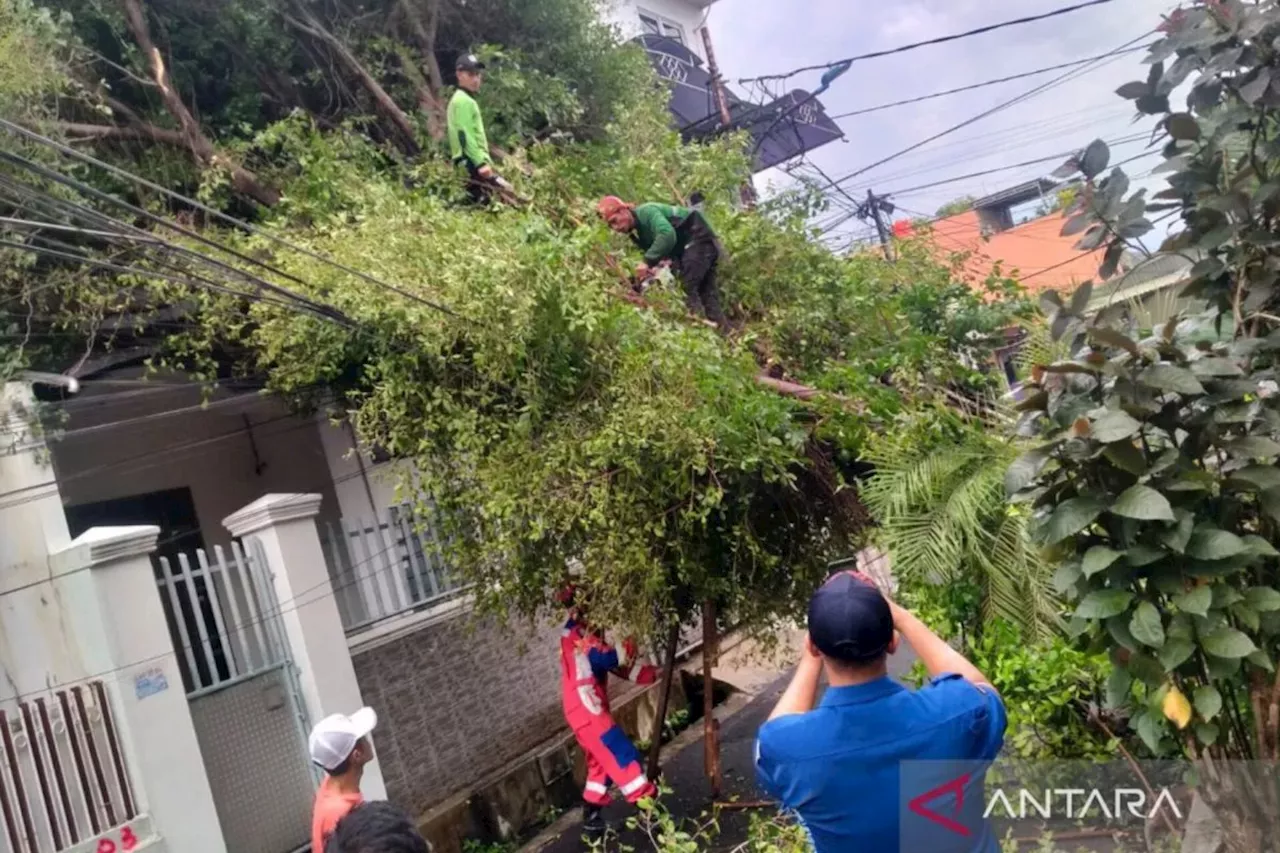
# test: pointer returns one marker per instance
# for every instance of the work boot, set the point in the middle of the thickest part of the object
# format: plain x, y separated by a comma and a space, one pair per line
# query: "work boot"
593, 825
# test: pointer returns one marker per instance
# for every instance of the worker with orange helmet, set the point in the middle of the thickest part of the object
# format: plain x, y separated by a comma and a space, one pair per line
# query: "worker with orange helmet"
586, 660
679, 236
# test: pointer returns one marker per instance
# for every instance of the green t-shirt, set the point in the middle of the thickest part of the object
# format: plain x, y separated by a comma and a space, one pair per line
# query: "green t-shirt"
655, 231
467, 140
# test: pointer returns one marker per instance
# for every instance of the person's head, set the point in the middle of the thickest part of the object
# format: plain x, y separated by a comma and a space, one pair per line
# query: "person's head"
470, 71
340, 745
851, 628
376, 827
617, 213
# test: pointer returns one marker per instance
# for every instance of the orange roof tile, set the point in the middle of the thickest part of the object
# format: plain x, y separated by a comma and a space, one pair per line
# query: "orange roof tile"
1034, 252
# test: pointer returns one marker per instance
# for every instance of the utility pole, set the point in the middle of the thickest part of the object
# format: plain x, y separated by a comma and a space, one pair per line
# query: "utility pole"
748, 192
872, 209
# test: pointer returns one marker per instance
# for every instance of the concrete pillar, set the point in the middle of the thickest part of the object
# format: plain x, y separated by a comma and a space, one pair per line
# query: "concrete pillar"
37, 642
284, 526
105, 577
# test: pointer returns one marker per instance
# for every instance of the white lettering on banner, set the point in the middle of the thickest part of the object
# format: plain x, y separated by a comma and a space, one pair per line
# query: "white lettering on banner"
1079, 803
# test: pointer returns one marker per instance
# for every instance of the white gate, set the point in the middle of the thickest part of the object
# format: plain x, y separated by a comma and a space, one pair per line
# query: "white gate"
385, 567
63, 779
244, 695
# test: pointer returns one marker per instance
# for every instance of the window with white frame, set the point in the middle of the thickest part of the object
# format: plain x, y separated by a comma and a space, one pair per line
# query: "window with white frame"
660, 26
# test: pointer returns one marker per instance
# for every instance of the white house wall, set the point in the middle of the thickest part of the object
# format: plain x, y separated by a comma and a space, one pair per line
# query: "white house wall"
207, 451
364, 489
625, 14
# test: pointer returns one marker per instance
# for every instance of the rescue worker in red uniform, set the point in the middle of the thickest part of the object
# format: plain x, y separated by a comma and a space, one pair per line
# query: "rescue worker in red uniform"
586, 660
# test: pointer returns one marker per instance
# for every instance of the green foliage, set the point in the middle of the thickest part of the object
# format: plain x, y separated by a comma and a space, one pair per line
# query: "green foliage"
1158, 491
34, 51
955, 206
1047, 689
939, 501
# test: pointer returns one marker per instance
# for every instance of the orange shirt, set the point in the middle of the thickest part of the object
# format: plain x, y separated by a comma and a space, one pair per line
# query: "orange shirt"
331, 806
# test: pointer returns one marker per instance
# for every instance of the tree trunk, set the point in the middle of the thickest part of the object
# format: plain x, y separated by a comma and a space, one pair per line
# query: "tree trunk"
710, 725
668, 672
428, 102
203, 150
133, 132
389, 108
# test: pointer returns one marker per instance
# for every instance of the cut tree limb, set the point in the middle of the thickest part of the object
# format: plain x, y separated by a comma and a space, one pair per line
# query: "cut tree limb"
200, 146
309, 25
129, 133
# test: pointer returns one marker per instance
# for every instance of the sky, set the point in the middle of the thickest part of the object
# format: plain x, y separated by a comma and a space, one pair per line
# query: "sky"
755, 37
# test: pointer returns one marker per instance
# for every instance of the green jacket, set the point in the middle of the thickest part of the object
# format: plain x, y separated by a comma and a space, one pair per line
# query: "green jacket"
658, 231
467, 141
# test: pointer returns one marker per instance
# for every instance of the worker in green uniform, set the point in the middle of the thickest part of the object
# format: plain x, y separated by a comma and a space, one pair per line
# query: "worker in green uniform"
673, 235
468, 144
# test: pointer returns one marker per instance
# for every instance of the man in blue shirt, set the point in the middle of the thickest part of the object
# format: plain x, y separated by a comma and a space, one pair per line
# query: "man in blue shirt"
878, 768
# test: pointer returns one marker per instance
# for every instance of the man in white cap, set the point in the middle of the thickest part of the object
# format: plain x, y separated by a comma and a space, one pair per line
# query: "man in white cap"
340, 746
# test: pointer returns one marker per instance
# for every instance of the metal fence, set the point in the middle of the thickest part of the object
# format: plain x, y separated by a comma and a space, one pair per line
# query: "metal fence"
63, 779
220, 612
385, 567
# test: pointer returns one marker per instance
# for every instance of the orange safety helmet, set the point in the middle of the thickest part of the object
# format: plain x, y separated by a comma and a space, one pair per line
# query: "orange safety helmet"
610, 205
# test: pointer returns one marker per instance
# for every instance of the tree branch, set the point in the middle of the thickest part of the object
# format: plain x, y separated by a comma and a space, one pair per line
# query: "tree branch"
382, 101
201, 148
134, 132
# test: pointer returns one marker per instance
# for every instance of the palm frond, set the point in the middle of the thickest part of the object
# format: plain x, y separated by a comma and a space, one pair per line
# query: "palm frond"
943, 515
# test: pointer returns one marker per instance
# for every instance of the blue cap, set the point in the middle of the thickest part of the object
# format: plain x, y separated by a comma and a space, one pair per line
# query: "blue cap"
850, 620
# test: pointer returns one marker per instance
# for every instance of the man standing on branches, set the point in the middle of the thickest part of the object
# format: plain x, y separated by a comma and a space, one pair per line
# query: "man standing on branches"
677, 236
586, 660
468, 144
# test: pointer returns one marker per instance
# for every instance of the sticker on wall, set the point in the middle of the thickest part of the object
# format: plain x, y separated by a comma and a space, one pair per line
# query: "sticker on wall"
150, 682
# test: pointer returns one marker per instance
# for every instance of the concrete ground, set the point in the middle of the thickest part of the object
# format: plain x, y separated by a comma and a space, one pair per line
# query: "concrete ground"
760, 680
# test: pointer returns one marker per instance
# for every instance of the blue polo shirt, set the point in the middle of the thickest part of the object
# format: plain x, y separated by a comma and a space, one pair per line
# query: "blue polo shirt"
878, 768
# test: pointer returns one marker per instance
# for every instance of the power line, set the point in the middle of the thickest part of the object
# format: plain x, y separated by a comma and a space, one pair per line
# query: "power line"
984, 84
210, 211
940, 40
1052, 157
984, 114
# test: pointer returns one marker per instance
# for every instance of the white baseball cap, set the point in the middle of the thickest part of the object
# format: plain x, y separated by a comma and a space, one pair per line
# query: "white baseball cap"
334, 737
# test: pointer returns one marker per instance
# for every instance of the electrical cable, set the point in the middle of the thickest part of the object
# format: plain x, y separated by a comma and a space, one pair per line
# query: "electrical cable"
210, 211
939, 40
985, 83
85, 189
984, 114
1052, 157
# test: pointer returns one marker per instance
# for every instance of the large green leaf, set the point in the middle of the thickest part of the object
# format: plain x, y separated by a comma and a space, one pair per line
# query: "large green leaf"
1112, 338
1253, 447
1176, 538
1215, 366
1196, 601
1151, 728
1214, 544
1260, 477
1118, 685
1175, 652
1208, 702
1025, 469
1118, 628
1098, 558
1146, 625
1143, 503
1103, 603
1264, 599
1228, 643
1065, 576
1170, 377
1126, 457
1113, 426
1070, 517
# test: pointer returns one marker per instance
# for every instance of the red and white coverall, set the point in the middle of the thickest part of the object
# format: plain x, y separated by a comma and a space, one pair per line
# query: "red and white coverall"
585, 663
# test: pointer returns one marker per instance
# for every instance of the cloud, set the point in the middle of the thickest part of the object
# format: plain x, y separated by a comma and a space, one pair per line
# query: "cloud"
754, 37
